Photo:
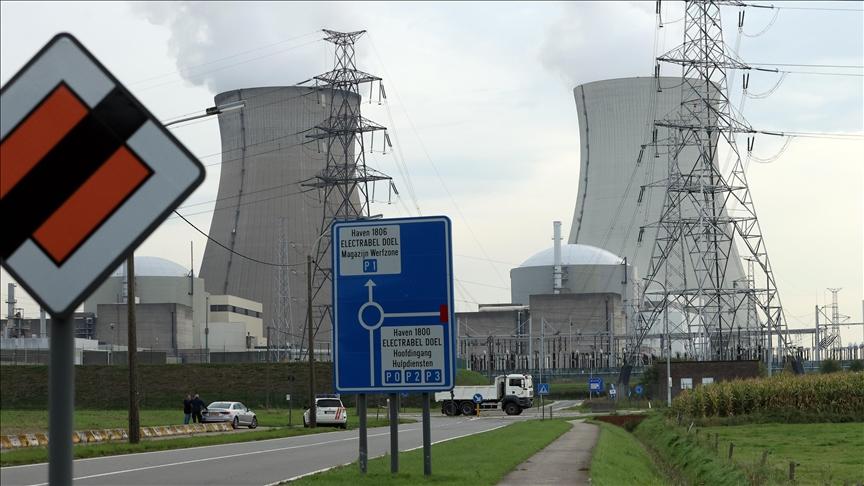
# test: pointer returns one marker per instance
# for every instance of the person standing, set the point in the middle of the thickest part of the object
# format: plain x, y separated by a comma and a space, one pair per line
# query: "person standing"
187, 409
197, 407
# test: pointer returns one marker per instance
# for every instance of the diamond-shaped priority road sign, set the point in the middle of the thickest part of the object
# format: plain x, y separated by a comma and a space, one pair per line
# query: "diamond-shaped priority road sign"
86, 174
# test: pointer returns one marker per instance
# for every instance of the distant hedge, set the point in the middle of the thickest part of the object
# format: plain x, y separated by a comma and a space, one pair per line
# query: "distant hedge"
840, 394
164, 386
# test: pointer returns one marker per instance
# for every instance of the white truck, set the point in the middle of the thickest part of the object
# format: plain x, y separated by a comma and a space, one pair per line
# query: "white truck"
512, 393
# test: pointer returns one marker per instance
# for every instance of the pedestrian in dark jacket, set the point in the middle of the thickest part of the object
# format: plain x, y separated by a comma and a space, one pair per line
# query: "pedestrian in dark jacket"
197, 407
187, 409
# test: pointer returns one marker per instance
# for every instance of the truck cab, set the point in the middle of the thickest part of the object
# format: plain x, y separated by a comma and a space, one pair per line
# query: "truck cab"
515, 392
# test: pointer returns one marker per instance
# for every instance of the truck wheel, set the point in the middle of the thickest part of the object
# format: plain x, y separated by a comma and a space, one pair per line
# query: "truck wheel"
467, 408
449, 409
512, 409
520, 411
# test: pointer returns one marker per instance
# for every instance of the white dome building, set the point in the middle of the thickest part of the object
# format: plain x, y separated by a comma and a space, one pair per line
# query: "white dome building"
585, 269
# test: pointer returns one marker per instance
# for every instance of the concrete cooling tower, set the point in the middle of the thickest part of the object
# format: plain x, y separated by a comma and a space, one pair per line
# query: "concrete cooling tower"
616, 117
262, 210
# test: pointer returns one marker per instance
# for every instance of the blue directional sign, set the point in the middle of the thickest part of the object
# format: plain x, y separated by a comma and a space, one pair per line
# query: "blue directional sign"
393, 316
543, 388
477, 398
595, 385
638, 389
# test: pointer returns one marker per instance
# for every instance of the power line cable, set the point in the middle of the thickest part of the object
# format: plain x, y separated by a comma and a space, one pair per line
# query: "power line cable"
235, 252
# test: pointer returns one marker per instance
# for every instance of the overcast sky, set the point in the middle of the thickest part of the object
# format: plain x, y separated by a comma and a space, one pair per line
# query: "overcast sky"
481, 110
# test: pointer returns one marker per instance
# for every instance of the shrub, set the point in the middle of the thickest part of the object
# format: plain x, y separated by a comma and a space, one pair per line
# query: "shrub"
856, 365
829, 366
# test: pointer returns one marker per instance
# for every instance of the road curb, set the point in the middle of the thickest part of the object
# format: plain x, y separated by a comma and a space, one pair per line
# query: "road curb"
21, 441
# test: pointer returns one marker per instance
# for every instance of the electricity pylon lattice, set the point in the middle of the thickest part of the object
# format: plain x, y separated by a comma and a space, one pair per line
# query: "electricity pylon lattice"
346, 182
706, 215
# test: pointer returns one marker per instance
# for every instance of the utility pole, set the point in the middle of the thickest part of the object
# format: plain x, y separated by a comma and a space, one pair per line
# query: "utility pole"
132, 352
313, 419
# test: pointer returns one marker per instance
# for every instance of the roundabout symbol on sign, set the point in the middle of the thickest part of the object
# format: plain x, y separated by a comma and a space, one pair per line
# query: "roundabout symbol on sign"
369, 310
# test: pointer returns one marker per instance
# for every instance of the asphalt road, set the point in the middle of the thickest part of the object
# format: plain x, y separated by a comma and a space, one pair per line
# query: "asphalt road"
254, 463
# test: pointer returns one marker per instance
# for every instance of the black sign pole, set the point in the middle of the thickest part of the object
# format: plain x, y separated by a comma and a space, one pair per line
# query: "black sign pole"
61, 399
427, 438
394, 433
364, 445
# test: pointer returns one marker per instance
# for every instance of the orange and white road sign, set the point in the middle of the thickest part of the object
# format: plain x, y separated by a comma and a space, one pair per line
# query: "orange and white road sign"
86, 174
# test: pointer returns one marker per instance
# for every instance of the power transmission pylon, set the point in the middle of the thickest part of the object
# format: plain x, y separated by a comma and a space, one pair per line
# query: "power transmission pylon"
346, 182
706, 215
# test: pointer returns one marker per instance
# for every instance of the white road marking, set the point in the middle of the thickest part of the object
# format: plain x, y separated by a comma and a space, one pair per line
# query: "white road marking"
206, 459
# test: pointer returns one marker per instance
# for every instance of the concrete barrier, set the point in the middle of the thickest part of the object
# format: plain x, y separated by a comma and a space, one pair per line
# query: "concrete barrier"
108, 435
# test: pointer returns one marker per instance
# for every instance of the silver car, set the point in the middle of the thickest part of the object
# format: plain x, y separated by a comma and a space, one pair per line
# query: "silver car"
234, 412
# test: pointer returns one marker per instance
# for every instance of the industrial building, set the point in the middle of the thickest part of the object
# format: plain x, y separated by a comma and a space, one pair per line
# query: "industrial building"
571, 308
263, 211
174, 313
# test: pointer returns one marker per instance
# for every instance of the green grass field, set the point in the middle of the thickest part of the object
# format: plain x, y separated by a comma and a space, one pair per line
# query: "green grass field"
30, 421
478, 460
827, 453
620, 459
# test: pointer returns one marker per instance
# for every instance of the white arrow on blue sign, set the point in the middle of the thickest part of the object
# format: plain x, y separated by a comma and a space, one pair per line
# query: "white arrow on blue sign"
477, 398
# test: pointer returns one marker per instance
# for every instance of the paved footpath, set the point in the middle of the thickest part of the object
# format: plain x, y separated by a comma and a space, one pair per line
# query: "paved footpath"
563, 462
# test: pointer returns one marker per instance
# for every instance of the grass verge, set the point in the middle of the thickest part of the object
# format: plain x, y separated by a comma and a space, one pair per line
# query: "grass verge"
826, 453
619, 459
40, 454
481, 459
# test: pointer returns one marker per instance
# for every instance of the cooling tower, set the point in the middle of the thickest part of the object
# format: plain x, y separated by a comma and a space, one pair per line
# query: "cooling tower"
263, 211
616, 117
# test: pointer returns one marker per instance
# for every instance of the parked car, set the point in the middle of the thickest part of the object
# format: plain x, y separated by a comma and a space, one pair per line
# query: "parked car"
234, 412
328, 411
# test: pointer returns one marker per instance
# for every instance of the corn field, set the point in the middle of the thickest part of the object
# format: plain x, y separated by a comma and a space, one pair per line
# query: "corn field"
836, 393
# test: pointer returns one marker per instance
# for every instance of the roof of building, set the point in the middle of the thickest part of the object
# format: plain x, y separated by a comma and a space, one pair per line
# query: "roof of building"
573, 254
148, 266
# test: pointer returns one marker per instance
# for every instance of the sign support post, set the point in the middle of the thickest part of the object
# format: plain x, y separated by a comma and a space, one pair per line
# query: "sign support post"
132, 353
364, 444
61, 399
394, 433
427, 437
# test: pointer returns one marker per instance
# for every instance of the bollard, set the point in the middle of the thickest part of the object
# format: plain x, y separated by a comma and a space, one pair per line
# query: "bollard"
731, 448
764, 458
